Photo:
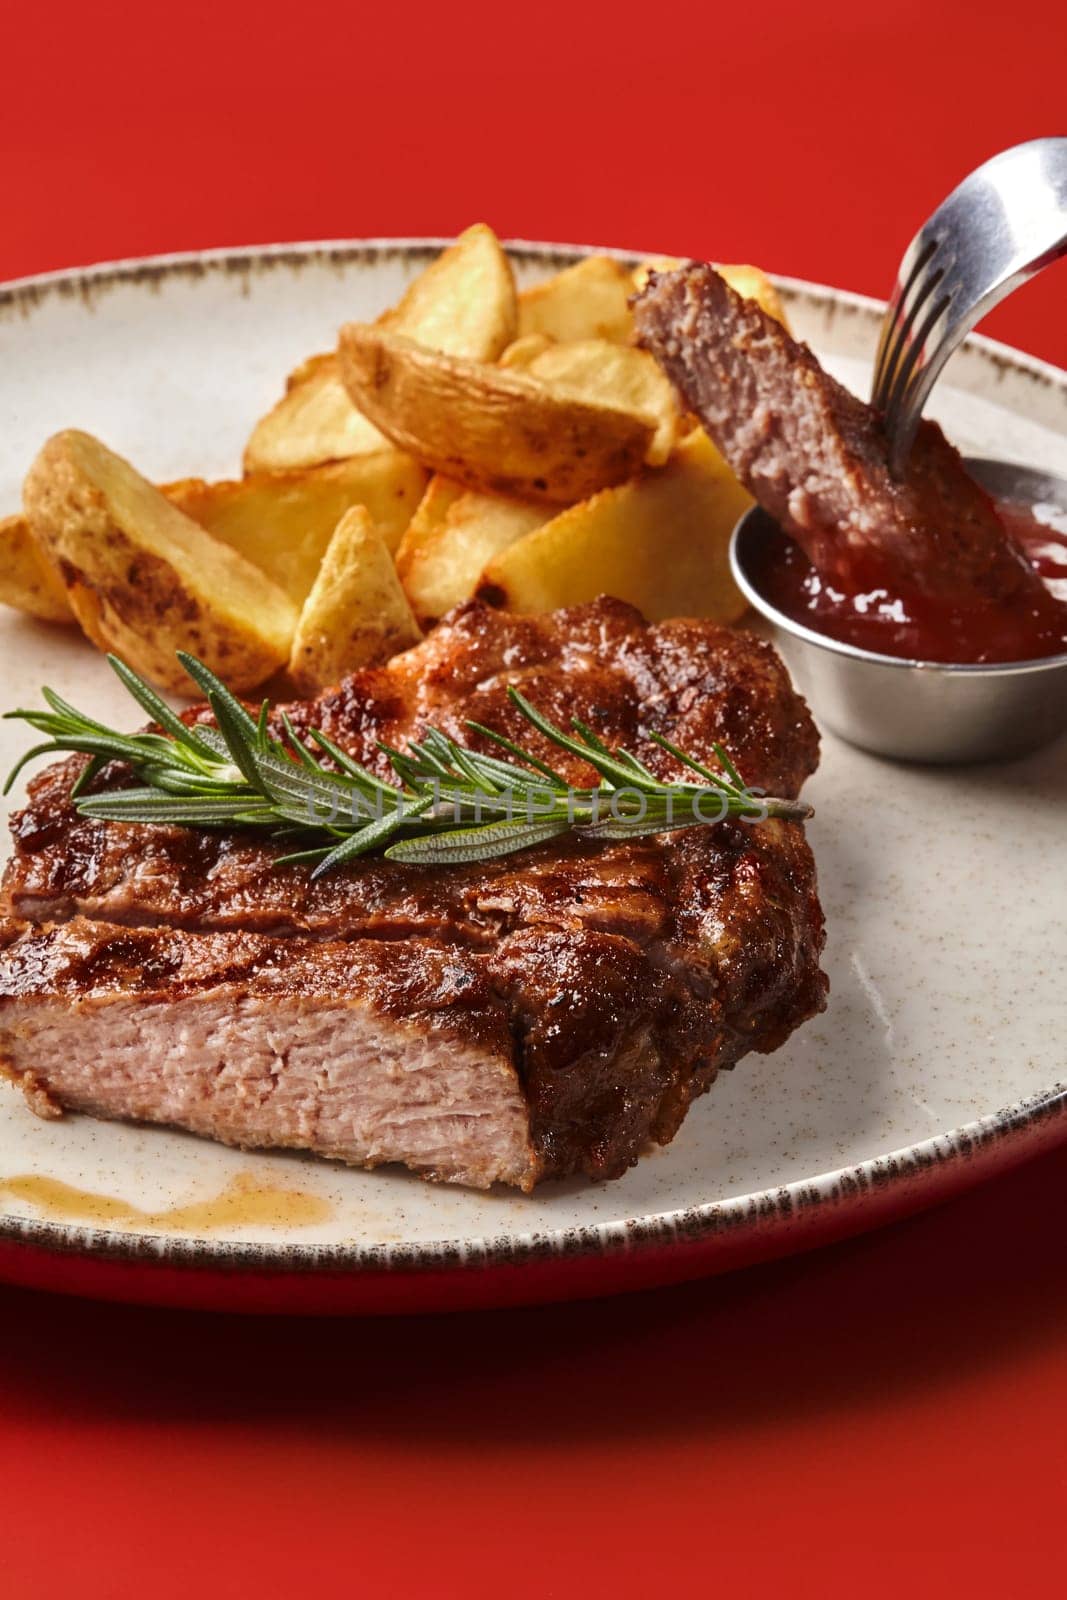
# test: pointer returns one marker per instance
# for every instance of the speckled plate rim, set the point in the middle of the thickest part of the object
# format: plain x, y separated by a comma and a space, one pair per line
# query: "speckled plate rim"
924, 1172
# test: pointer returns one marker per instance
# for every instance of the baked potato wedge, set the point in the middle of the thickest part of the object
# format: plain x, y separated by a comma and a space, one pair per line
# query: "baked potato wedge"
587, 301
143, 579
356, 614
442, 554
283, 521
524, 350
464, 304
280, 521
490, 429
430, 514
612, 374
660, 542
27, 581
312, 423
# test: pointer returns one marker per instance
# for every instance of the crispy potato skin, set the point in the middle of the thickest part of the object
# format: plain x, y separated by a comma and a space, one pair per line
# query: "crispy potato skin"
463, 304
280, 521
473, 440
608, 374
28, 582
490, 429
356, 614
146, 593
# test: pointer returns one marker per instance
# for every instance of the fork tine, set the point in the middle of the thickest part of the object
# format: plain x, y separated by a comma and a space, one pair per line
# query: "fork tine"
902, 413
903, 291
916, 336
905, 308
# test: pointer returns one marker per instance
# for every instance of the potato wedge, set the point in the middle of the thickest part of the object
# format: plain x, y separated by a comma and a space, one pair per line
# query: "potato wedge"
430, 514
522, 351
145, 580
587, 301
356, 614
613, 374
464, 304
660, 542
442, 555
752, 283
283, 521
493, 430
27, 581
280, 521
312, 423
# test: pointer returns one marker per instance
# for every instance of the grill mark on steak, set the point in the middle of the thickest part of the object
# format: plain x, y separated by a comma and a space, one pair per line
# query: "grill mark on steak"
815, 456
557, 1008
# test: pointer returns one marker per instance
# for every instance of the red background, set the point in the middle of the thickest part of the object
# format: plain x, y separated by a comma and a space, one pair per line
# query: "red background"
885, 1414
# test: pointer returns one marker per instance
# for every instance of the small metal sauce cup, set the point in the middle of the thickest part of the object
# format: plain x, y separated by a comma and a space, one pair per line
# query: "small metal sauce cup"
909, 710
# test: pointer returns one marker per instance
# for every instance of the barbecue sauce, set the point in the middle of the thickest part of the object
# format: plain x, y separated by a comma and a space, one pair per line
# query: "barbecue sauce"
905, 622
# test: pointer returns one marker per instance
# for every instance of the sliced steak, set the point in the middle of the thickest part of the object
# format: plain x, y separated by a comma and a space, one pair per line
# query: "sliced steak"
540, 1015
815, 457
363, 1051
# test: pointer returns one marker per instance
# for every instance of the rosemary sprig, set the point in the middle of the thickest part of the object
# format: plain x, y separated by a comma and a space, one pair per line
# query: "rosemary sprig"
450, 805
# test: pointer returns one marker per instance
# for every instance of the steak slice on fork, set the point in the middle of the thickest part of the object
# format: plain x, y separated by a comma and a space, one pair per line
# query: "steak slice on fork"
816, 457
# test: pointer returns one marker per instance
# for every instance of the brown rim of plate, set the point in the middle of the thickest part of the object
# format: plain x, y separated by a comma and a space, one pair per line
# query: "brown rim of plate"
943, 1164
945, 1161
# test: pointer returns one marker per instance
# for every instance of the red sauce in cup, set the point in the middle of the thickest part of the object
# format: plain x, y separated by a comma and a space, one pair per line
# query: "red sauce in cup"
911, 624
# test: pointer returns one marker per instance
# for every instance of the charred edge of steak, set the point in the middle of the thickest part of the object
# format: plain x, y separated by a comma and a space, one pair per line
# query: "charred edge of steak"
815, 456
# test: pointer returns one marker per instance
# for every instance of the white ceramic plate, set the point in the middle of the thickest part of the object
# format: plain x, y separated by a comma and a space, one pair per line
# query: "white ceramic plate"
939, 1059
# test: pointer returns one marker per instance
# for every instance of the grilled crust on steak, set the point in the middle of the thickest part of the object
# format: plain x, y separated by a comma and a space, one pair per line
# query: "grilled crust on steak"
816, 457
557, 1009
695, 682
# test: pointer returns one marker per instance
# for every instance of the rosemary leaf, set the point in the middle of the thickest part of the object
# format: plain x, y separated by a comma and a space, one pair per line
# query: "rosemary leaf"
519, 753
476, 844
450, 805
152, 703
372, 837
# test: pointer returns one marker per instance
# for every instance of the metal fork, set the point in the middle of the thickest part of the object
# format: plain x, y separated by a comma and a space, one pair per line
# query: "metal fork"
1003, 223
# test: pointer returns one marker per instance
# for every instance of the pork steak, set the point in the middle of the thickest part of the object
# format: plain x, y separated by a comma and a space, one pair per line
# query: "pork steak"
543, 1014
